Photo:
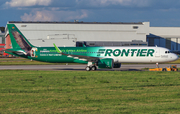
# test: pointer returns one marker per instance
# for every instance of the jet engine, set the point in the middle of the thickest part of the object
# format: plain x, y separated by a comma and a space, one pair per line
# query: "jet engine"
108, 64
105, 63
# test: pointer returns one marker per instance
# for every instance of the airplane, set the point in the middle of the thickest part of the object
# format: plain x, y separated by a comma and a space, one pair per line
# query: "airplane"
94, 57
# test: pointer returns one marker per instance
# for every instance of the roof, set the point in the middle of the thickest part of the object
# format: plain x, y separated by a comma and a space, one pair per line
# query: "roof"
76, 22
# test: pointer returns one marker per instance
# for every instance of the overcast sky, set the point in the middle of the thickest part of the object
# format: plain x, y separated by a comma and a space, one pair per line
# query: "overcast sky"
157, 12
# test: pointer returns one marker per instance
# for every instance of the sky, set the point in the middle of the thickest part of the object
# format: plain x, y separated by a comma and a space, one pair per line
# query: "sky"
160, 13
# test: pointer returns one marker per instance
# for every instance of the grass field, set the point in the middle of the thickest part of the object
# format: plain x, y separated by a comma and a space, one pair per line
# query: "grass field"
89, 92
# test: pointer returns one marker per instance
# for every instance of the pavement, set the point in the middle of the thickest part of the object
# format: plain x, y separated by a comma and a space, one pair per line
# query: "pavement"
124, 67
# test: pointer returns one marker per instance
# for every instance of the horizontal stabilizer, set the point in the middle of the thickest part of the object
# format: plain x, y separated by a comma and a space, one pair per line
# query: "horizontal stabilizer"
18, 52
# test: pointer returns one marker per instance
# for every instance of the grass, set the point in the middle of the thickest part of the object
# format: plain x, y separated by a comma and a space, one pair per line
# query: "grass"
89, 92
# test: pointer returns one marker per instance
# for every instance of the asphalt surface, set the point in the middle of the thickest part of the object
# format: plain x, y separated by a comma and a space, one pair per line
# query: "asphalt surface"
126, 67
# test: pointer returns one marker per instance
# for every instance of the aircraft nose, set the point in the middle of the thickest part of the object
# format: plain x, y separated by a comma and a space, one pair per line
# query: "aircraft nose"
175, 57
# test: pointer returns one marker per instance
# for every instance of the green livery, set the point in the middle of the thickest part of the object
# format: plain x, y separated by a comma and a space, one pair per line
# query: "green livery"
103, 57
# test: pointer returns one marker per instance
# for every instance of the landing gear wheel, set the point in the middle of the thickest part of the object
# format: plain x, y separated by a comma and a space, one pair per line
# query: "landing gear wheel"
88, 68
93, 68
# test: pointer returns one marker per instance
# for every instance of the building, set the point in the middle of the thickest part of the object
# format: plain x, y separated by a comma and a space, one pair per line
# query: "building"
2, 40
168, 37
78, 33
2, 37
97, 34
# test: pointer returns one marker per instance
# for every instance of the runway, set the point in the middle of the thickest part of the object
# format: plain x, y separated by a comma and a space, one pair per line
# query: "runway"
124, 67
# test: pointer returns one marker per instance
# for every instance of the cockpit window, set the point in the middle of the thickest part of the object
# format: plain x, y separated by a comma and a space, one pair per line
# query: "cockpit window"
167, 52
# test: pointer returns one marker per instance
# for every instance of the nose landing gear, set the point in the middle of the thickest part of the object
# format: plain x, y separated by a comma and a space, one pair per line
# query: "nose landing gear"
157, 65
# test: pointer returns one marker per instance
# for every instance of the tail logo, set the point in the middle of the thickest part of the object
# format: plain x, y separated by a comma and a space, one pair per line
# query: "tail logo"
21, 41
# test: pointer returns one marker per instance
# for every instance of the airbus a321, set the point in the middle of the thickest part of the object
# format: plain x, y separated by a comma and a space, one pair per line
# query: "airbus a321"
94, 57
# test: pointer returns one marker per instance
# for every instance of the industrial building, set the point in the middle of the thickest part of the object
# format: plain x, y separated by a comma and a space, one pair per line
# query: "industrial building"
72, 34
78, 33
2, 40
2, 37
168, 37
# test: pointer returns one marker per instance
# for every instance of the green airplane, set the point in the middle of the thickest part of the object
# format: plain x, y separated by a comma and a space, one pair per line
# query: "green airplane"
101, 57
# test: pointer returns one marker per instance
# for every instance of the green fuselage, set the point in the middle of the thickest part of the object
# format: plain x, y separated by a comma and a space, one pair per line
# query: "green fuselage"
84, 54
49, 54
23, 48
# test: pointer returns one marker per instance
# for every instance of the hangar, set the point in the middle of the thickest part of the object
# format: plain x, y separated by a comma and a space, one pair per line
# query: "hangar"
2, 40
76, 34
168, 37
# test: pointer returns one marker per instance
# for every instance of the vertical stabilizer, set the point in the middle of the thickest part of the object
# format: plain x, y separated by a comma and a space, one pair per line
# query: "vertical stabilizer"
18, 40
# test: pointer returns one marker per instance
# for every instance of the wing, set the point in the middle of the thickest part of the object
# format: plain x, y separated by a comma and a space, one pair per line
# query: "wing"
80, 57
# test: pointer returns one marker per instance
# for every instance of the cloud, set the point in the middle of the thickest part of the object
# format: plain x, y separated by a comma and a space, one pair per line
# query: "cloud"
54, 15
38, 16
74, 15
105, 3
159, 12
23, 3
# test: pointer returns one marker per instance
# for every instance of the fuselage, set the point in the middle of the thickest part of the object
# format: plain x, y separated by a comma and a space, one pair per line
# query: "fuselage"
118, 54
101, 57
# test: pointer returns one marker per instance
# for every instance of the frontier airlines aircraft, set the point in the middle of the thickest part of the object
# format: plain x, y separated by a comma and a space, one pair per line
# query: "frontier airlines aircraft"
101, 57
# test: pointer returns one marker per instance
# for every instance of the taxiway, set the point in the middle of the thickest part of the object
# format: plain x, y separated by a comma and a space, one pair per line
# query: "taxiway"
124, 67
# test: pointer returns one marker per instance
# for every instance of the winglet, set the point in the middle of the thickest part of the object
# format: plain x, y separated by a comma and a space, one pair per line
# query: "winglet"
84, 45
57, 49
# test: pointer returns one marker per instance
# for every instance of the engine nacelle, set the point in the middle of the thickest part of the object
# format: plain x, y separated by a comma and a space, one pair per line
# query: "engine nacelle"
117, 65
106, 63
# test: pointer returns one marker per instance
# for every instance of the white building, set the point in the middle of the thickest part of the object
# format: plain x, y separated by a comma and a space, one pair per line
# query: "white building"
2, 38
98, 34
168, 37
69, 33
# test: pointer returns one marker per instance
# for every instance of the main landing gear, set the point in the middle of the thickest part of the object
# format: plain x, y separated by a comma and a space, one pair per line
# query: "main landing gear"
91, 66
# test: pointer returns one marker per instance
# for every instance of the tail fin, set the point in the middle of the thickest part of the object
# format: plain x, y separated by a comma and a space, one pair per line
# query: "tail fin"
18, 40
